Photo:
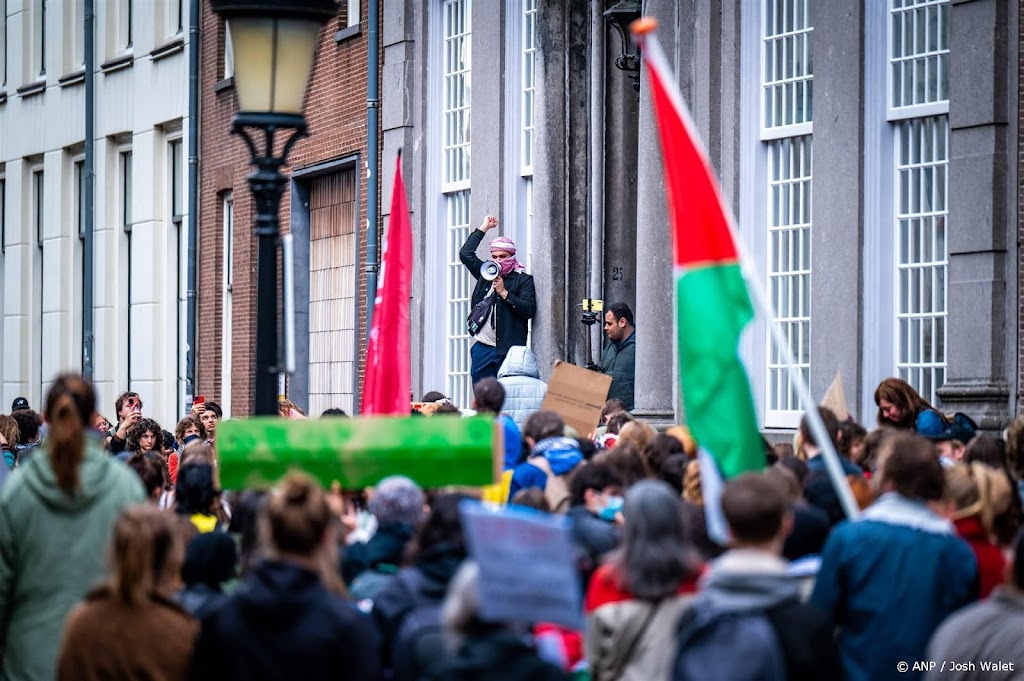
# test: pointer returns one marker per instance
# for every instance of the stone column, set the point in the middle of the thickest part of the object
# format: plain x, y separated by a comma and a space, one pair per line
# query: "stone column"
837, 212
980, 209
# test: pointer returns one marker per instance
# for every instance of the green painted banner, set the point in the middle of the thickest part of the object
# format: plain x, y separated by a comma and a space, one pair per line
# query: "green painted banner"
439, 451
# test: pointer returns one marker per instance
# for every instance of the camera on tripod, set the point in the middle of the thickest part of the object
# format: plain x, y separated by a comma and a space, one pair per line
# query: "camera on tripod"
591, 311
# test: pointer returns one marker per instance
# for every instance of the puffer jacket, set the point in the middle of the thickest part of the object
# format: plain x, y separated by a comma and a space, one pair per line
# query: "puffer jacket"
524, 391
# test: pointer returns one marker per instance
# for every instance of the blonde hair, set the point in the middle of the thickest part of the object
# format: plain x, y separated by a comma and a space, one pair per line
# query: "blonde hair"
977, 489
685, 437
692, 491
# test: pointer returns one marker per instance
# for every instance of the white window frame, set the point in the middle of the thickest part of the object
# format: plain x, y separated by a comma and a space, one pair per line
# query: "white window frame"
74, 39
785, 232
914, 9
911, 366
125, 215
3, 45
38, 194
791, 40
227, 222
229, 53
451, 282
125, 26
39, 19
175, 17
353, 13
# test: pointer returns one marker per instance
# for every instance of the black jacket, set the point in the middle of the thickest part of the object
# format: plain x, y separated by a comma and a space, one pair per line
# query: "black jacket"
283, 624
495, 656
512, 314
386, 546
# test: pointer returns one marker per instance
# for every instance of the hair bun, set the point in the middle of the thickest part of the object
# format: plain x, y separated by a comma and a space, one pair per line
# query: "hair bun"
297, 492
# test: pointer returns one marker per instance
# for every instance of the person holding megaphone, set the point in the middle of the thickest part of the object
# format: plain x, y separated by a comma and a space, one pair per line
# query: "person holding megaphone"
503, 303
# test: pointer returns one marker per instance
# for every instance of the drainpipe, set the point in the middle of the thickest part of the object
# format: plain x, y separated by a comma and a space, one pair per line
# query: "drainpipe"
193, 201
373, 159
89, 169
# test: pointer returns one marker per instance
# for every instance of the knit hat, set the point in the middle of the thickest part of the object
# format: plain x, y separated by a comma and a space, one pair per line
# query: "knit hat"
503, 243
397, 499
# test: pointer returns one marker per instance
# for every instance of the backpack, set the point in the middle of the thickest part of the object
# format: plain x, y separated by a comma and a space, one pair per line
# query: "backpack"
419, 645
556, 489
739, 646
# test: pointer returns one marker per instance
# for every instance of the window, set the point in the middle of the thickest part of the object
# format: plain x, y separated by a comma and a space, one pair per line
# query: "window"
78, 249
176, 16
177, 209
228, 213
787, 108
38, 221
455, 176
73, 17
787, 68
229, 53
125, 191
529, 92
177, 274
918, 111
3, 44
3, 214
79, 204
39, 35
919, 55
125, 19
353, 13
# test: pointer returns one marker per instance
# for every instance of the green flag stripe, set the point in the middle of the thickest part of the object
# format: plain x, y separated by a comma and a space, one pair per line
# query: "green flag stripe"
713, 307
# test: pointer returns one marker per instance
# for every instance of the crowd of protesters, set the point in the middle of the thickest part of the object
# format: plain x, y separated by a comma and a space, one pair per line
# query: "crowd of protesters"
121, 557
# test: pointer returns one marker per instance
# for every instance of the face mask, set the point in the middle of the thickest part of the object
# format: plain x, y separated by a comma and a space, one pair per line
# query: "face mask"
610, 509
507, 266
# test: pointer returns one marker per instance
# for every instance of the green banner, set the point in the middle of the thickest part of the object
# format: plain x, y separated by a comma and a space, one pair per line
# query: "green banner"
437, 451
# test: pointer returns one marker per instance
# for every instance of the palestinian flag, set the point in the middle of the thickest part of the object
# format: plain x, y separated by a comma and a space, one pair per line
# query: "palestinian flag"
712, 303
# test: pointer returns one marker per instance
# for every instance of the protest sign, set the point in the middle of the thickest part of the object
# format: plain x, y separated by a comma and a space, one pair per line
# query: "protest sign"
359, 452
527, 565
577, 395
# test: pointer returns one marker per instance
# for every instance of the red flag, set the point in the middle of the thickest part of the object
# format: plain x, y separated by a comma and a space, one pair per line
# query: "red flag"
387, 384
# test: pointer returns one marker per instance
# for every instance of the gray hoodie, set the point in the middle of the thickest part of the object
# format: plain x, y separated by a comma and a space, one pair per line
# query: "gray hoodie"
524, 391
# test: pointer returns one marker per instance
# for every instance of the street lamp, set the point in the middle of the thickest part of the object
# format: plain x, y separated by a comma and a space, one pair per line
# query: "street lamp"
274, 43
619, 16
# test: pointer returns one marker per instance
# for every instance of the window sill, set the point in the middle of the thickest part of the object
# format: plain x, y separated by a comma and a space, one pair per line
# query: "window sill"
226, 84
72, 78
175, 45
117, 63
348, 32
32, 89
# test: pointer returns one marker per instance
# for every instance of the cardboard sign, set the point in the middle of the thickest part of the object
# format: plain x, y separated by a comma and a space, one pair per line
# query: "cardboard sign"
255, 453
527, 567
577, 395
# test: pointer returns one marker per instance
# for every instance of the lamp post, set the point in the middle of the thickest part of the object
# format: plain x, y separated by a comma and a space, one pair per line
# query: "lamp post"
619, 16
274, 44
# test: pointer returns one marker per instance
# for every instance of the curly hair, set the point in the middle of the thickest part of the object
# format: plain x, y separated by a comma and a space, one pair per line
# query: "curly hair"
184, 424
135, 433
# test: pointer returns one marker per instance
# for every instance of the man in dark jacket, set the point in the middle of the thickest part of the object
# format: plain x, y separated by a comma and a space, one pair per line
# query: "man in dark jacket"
512, 297
596, 507
619, 357
749, 621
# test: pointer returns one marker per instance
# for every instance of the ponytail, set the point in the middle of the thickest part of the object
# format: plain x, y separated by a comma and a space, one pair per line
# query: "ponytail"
69, 406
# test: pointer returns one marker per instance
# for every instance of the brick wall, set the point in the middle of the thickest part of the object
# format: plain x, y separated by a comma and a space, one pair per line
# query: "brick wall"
336, 113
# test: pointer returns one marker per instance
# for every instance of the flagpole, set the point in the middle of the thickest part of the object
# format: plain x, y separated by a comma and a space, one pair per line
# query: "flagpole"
643, 34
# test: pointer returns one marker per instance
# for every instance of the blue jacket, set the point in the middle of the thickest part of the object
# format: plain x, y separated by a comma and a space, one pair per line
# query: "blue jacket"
513, 441
888, 580
563, 454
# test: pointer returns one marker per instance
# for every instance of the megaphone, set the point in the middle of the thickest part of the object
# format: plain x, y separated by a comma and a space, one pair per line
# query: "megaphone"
490, 270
